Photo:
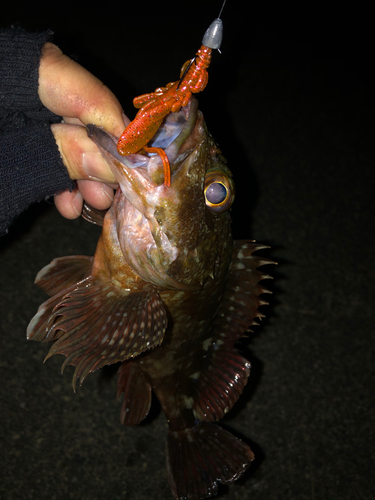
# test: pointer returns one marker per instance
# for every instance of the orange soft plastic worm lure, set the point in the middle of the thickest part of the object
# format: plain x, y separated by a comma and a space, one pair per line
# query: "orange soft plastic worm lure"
155, 106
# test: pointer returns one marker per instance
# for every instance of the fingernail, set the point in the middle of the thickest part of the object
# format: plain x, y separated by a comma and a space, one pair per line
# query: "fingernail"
96, 168
77, 203
108, 192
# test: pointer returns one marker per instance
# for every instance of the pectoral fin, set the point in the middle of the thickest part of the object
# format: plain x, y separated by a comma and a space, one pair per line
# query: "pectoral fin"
63, 272
96, 324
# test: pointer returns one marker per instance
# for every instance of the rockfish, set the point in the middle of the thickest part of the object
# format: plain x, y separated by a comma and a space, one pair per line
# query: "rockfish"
167, 294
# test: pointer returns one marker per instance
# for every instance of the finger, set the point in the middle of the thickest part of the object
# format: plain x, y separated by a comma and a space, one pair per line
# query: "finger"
77, 121
80, 154
96, 194
69, 204
68, 89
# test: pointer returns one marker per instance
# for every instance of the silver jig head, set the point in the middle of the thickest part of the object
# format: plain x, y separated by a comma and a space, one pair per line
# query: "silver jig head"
214, 33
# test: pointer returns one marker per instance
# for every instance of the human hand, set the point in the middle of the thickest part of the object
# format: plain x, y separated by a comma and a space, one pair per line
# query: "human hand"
69, 90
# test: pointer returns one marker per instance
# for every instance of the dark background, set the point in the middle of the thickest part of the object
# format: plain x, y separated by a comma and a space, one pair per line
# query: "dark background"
290, 102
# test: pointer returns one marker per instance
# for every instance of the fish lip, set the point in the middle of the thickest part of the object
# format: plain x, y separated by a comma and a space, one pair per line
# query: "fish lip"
107, 142
151, 166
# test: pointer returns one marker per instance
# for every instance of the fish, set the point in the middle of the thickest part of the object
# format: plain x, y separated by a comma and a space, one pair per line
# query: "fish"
167, 295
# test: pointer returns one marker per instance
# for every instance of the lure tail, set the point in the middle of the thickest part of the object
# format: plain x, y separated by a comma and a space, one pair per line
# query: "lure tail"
202, 456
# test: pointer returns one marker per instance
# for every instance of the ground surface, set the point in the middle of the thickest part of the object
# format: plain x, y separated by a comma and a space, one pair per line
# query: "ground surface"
289, 103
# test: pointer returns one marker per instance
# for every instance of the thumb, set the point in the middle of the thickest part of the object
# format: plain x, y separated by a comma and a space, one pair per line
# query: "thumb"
69, 90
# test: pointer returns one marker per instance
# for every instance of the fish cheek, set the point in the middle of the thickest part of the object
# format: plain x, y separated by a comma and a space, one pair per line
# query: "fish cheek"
196, 263
192, 214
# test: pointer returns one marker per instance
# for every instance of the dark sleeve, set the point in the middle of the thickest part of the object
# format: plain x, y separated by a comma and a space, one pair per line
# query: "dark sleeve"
31, 168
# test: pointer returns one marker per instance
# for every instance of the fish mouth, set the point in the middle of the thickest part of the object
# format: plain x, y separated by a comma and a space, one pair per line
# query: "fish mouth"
171, 137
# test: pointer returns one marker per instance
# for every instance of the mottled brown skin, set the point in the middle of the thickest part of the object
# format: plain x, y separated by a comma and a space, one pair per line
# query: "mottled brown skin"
197, 232
174, 371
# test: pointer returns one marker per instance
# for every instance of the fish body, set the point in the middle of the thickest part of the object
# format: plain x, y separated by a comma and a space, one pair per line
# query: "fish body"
167, 294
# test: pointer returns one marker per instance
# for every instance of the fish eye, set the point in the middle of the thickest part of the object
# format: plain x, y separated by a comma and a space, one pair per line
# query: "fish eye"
218, 192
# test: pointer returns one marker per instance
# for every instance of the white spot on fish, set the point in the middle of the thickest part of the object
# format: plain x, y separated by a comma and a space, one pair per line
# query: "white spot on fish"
114, 337
207, 343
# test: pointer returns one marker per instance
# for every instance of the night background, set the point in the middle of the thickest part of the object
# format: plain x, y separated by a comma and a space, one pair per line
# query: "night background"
290, 102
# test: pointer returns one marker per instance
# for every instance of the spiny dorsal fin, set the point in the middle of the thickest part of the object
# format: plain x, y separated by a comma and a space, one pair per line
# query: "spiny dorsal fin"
224, 372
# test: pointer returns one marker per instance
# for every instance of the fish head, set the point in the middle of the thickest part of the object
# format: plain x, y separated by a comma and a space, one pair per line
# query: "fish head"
172, 236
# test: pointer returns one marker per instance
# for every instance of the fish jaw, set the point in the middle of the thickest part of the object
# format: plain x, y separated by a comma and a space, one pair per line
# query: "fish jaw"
167, 235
